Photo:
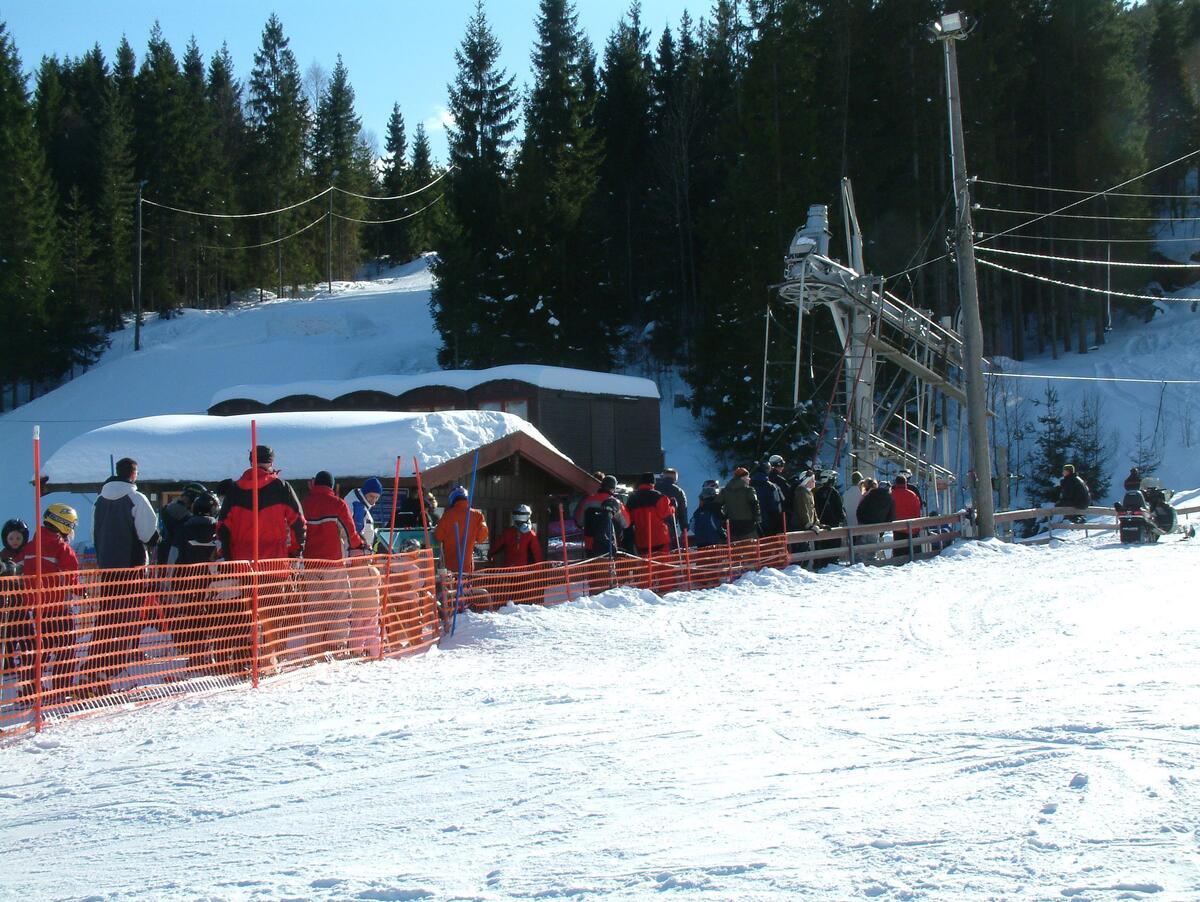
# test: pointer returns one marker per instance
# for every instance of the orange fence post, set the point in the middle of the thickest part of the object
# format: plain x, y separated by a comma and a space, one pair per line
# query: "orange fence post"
254, 613
729, 551
421, 494
38, 619
384, 596
562, 534
687, 559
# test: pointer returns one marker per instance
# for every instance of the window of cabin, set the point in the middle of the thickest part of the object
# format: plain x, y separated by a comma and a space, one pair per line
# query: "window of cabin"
516, 406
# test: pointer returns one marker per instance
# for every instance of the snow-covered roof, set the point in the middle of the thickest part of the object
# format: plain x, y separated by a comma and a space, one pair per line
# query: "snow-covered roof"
180, 448
552, 377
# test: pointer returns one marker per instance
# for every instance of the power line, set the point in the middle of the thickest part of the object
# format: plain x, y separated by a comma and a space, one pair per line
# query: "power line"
243, 247
395, 196
385, 221
1186, 156
1085, 216
1093, 378
238, 215
1120, 294
987, 236
1090, 260
1089, 193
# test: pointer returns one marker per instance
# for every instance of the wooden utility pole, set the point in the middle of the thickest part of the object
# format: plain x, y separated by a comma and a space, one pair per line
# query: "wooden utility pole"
949, 29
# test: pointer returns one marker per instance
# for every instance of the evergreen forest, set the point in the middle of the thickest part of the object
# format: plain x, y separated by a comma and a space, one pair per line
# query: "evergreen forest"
630, 205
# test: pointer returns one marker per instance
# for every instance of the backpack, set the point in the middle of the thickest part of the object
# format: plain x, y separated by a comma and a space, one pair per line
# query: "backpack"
598, 524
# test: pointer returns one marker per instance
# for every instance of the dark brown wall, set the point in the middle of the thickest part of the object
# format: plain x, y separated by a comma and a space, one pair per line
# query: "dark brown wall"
598, 432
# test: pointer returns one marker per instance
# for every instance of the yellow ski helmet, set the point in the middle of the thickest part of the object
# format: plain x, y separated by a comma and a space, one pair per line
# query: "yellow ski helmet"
61, 518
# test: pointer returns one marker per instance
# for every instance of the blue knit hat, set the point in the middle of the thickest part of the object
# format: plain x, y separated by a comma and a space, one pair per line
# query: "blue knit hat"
372, 485
456, 494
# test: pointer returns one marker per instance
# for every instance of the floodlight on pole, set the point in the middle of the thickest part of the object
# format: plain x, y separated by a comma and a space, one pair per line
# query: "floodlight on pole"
949, 28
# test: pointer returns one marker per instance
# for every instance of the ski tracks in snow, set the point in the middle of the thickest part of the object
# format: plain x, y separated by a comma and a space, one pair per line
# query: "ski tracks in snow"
1000, 722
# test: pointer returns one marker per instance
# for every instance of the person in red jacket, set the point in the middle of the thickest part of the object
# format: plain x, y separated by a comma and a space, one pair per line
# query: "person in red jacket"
331, 536
651, 510
281, 526
518, 545
908, 507
60, 580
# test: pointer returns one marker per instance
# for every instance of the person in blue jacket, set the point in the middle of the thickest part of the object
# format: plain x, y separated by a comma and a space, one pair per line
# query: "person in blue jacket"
360, 502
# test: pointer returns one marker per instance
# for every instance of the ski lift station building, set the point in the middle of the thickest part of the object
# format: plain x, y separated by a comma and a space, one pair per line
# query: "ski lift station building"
602, 421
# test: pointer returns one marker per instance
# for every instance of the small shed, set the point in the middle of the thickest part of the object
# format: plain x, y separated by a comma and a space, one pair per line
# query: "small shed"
516, 463
603, 421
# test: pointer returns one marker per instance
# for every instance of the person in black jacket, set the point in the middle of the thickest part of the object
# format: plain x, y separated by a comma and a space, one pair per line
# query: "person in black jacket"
1073, 492
172, 518
830, 512
668, 484
876, 506
191, 610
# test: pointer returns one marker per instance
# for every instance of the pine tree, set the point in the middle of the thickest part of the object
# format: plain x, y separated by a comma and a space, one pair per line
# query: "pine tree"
333, 149
558, 314
277, 113
623, 118
475, 249
1172, 111
393, 239
231, 151
161, 136
27, 231
1051, 450
425, 226
114, 209
1147, 450
1092, 448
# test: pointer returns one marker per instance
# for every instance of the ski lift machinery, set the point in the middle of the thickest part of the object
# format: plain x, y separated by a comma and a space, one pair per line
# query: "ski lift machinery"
900, 367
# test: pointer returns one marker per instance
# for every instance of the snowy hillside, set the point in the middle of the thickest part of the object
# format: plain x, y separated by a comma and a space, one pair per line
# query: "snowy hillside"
1167, 348
378, 326
1000, 723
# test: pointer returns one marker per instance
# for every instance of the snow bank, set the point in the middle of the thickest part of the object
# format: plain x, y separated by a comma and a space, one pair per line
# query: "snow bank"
179, 448
552, 377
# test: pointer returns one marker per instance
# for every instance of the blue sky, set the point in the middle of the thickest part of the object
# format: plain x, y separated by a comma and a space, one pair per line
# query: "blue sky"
399, 51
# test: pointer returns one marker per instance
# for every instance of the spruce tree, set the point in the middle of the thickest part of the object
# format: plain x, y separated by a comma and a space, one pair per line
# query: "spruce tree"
27, 231
393, 238
114, 209
558, 315
1093, 448
475, 249
231, 157
425, 226
1051, 451
623, 117
277, 113
334, 148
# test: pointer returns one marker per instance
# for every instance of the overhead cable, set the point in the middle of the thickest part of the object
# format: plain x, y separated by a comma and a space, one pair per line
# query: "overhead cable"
243, 247
1119, 294
385, 221
1001, 375
1075, 203
1089, 260
396, 196
988, 236
238, 215
1085, 216
1089, 193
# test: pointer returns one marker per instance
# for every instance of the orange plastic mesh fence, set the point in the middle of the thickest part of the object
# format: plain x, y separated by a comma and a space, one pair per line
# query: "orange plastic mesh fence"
117, 637
98, 639
552, 582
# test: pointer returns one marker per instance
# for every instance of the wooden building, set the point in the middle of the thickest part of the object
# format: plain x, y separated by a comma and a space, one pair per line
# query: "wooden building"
602, 421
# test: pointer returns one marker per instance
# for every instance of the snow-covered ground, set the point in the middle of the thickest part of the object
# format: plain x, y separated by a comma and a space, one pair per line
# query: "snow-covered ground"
1165, 352
1001, 723
370, 327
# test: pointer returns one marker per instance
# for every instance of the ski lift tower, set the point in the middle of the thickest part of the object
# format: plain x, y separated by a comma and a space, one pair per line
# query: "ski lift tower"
899, 364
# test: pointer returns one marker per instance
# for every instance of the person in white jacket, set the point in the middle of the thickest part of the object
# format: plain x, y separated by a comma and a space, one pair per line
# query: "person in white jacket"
850, 499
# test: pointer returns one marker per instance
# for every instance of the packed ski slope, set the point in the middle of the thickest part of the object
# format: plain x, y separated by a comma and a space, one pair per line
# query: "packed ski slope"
1003, 722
